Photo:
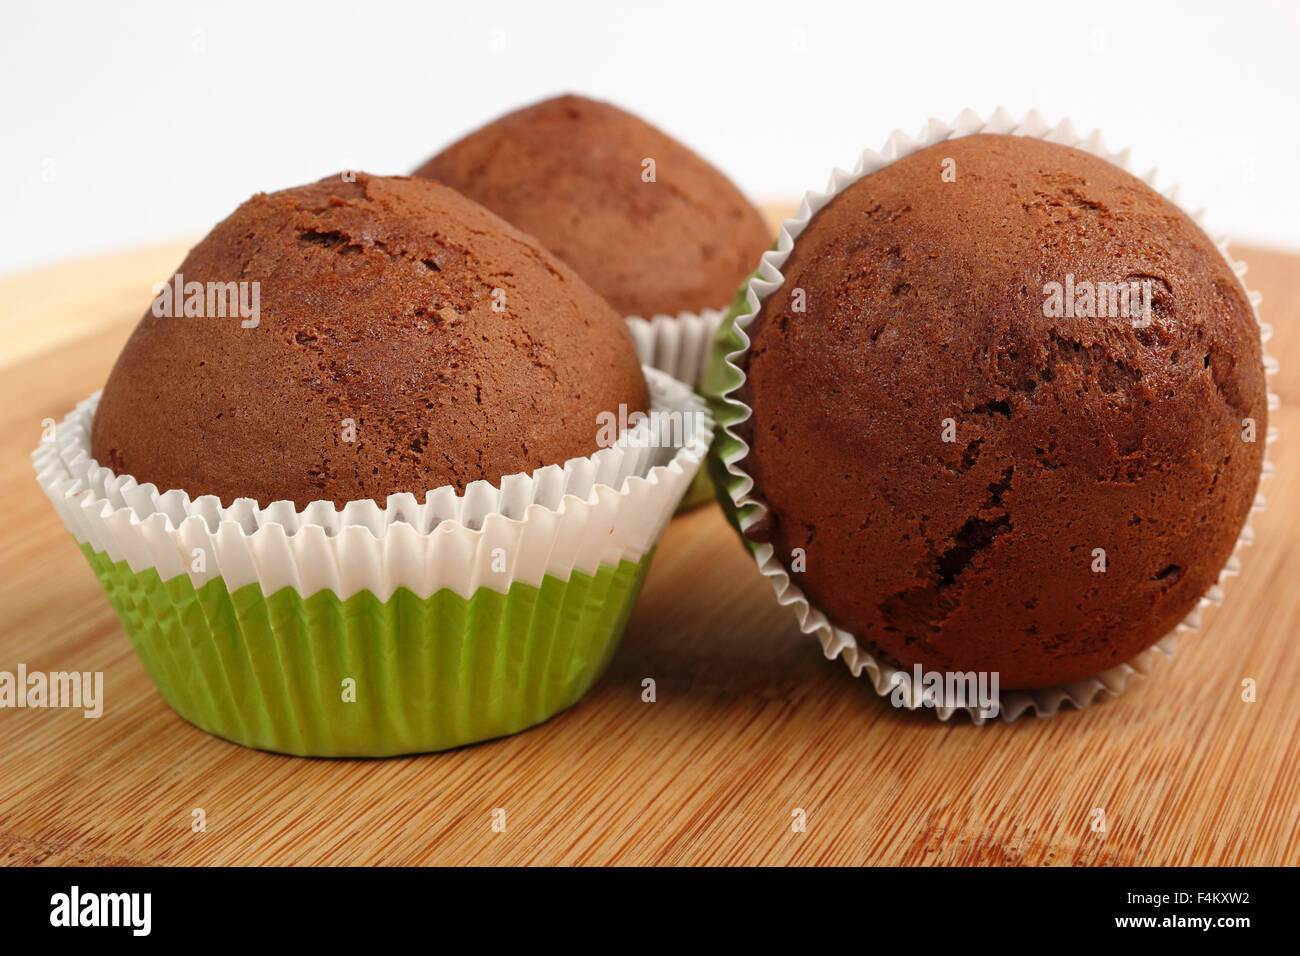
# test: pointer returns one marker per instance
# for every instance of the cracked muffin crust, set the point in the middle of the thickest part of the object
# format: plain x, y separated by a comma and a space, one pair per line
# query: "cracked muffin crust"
913, 310
568, 170
458, 348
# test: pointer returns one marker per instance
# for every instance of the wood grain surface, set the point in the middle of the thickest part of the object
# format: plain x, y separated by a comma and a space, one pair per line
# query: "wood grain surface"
751, 724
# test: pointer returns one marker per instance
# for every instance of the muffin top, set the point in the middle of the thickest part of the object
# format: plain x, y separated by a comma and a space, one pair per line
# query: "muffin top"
401, 338
980, 475
573, 172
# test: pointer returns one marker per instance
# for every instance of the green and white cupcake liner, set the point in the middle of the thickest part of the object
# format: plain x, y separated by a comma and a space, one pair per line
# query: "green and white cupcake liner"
679, 345
377, 630
723, 377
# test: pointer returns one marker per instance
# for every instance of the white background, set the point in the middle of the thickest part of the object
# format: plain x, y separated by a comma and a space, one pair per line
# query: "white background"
126, 123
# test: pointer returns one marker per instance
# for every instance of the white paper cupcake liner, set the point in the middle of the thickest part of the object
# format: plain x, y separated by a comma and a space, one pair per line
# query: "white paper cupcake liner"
589, 512
676, 344
837, 642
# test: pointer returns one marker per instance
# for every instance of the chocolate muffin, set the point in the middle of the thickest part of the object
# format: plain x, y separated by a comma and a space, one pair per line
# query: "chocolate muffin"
572, 172
405, 339
985, 468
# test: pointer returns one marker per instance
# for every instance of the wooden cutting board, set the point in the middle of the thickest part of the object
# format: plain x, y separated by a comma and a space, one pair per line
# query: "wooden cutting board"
751, 728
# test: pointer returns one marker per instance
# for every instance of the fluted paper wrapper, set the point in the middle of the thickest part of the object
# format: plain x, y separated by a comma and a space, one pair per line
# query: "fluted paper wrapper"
679, 345
724, 377
369, 630
676, 344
